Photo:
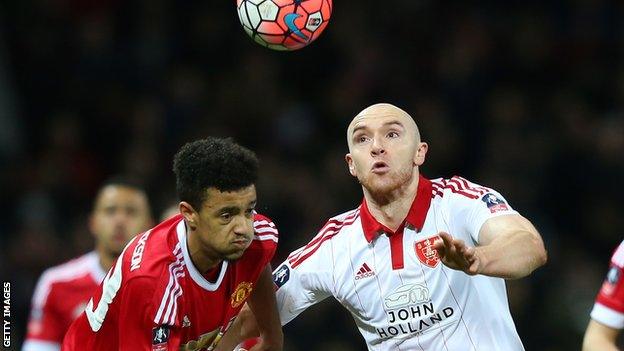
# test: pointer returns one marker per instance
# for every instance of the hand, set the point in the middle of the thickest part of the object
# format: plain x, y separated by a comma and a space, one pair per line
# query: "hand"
456, 255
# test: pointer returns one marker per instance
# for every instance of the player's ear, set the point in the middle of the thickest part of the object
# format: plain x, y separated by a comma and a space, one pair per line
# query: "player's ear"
350, 164
421, 152
189, 214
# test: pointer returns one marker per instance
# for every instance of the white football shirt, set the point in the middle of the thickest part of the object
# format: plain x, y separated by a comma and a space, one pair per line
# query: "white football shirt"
398, 291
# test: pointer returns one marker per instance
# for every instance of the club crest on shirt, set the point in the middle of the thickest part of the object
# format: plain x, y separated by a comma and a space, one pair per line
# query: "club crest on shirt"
610, 283
241, 293
160, 336
281, 275
426, 253
494, 203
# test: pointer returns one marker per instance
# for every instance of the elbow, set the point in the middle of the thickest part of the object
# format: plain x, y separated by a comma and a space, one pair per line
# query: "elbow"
542, 256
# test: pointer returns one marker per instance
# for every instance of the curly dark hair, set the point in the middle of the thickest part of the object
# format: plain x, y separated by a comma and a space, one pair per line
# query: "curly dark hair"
213, 163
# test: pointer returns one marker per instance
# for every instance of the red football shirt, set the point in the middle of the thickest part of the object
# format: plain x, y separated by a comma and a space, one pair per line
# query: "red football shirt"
61, 295
155, 299
609, 306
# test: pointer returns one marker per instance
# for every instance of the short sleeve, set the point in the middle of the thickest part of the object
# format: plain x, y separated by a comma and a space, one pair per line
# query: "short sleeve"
303, 280
266, 236
470, 205
609, 306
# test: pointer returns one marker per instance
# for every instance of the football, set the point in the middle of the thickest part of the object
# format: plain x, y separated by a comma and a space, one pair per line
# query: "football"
284, 24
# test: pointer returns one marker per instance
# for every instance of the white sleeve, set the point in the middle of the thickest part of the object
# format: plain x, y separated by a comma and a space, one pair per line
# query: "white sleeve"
303, 280
470, 205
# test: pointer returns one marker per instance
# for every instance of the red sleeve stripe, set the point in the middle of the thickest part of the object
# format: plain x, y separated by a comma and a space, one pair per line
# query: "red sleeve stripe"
331, 225
311, 249
464, 184
453, 187
436, 190
267, 230
266, 237
263, 223
334, 225
176, 270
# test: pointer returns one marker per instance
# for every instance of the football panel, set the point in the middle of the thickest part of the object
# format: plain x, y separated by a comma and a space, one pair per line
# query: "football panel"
253, 14
312, 5
271, 28
272, 39
314, 21
268, 11
326, 10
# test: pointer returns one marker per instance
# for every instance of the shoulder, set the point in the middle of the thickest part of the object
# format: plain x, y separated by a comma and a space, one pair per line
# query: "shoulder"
457, 187
330, 230
67, 273
264, 228
149, 253
618, 256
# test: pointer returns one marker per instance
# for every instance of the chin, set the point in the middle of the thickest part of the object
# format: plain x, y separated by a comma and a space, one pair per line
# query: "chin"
234, 256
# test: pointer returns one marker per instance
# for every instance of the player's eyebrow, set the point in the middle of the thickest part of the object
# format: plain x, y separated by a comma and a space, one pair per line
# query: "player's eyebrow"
394, 123
389, 123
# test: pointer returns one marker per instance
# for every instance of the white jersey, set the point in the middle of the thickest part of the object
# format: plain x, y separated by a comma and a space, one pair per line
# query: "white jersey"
400, 294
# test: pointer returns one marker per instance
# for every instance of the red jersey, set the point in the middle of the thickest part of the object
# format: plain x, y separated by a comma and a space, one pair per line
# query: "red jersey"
154, 298
61, 294
609, 306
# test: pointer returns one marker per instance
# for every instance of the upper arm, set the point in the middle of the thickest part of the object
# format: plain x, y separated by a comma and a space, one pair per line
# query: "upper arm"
301, 284
471, 206
600, 337
506, 225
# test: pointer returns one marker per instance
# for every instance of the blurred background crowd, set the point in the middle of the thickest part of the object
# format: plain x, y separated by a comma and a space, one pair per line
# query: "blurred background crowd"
526, 97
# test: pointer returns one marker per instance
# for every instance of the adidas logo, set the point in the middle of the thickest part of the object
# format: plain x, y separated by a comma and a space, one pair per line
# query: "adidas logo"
364, 272
186, 322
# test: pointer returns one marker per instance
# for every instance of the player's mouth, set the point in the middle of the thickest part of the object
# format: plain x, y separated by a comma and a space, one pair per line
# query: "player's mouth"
241, 243
380, 167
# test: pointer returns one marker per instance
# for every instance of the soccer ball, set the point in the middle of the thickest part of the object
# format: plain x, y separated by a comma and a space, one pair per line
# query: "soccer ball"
284, 24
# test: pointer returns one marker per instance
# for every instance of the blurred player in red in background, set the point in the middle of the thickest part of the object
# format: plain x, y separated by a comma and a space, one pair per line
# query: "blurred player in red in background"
120, 211
392, 263
607, 316
180, 285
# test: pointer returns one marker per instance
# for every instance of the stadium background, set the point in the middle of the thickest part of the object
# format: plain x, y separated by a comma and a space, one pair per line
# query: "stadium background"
523, 96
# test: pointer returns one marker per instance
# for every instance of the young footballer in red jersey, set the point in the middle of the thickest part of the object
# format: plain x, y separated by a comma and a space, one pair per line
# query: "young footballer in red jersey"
119, 212
179, 285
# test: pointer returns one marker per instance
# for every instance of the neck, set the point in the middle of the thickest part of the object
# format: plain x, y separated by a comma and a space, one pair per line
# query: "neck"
390, 209
105, 258
201, 260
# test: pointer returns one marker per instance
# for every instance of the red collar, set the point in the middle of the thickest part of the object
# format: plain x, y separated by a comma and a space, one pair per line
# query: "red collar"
415, 217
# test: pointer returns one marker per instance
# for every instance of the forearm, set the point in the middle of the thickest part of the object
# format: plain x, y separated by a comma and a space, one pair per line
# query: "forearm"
598, 344
244, 327
263, 304
599, 337
513, 255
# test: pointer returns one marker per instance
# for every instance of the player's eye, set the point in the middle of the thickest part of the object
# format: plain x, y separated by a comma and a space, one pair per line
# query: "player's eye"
249, 212
226, 216
361, 139
393, 134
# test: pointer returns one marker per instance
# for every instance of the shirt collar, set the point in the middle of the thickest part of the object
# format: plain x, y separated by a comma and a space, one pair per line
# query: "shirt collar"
415, 217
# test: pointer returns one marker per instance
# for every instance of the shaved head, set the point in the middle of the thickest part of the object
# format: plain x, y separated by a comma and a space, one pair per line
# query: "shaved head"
383, 110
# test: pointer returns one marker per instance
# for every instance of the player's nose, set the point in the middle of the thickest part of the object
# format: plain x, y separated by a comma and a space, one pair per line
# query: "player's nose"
377, 147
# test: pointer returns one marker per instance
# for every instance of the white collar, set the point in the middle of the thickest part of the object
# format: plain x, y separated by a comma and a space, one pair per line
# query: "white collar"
195, 274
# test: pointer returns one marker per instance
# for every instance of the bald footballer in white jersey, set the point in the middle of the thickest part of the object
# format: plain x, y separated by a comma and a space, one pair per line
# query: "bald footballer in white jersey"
420, 264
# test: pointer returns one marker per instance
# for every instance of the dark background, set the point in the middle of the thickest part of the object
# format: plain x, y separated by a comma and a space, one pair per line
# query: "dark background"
522, 96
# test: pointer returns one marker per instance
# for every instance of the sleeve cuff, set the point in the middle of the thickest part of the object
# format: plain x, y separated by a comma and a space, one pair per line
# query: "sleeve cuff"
40, 345
607, 316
